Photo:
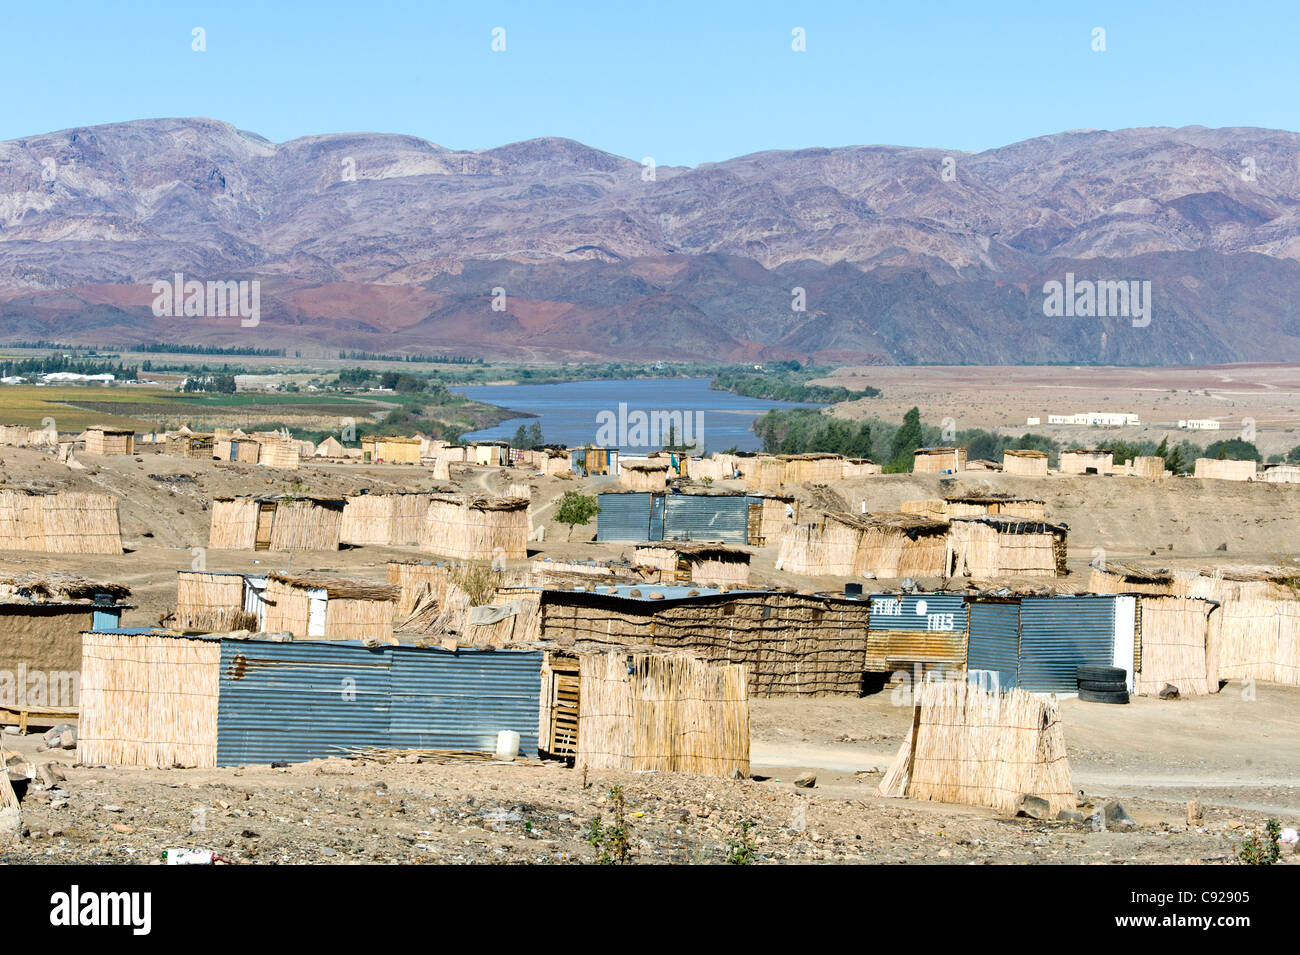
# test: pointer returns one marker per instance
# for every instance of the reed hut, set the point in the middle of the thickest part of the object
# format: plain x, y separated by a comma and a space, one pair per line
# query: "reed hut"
1225, 470
855, 468
771, 515
710, 564
330, 448
1178, 643
1084, 461
278, 523
654, 712
190, 445
1151, 468
391, 450
494, 454
158, 699
1281, 474
392, 520
998, 546
939, 460
241, 450
761, 473
790, 644
65, 522
647, 475
278, 451
101, 439
330, 608
14, 435
1024, 462
476, 528
214, 602
883, 545
973, 747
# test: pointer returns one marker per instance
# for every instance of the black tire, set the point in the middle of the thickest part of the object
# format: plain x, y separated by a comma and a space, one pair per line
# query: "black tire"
1100, 674
1096, 696
1095, 686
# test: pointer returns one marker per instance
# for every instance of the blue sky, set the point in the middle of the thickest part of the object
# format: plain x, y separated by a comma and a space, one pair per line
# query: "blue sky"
681, 82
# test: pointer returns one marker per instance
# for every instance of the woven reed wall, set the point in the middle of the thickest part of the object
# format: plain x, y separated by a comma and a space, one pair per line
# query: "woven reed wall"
936, 462
671, 714
368, 519
934, 508
455, 529
1225, 470
802, 646
1150, 468
889, 552
643, 478
306, 525
980, 550
1025, 466
977, 748
148, 700
1179, 646
858, 469
288, 608
1074, 462
234, 524
279, 453
190, 446
354, 619
66, 522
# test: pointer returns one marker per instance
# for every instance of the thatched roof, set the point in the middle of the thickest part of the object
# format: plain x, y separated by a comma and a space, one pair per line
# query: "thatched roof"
1134, 573
990, 499
483, 503
1008, 524
657, 465
334, 503
106, 429
937, 450
910, 524
337, 587
700, 549
54, 585
1088, 451
1025, 453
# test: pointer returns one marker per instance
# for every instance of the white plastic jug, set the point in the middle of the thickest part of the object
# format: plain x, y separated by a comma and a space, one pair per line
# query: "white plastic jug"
507, 744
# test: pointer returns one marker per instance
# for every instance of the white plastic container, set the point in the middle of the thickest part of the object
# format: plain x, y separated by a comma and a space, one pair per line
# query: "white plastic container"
188, 856
507, 744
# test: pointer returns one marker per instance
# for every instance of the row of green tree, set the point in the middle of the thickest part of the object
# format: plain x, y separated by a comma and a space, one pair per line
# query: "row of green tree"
787, 381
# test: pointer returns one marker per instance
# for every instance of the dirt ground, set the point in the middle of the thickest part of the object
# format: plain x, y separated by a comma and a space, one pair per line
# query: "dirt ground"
1151, 756
1237, 755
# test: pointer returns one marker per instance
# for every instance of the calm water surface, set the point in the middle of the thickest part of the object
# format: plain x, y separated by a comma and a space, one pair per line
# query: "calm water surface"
568, 411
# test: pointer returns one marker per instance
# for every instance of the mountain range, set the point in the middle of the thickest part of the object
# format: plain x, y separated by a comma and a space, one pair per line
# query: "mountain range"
549, 249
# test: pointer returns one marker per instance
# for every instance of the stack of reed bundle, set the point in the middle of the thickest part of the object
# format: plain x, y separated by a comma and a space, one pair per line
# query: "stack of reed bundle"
643, 475
1179, 645
211, 603
102, 439
1005, 547
671, 713
1225, 470
418, 582
859, 468
1024, 462
148, 700
476, 528
66, 522
710, 564
354, 609
234, 524
977, 748
789, 644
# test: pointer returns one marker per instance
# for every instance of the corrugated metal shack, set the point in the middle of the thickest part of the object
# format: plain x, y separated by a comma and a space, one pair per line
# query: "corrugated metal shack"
683, 517
154, 698
917, 633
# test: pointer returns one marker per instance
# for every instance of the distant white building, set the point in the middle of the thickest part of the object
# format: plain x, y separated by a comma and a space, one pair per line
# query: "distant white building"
56, 377
1095, 419
1199, 424
1033, 421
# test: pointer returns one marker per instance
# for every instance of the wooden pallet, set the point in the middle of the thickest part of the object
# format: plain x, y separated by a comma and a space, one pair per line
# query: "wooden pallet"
23, 716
